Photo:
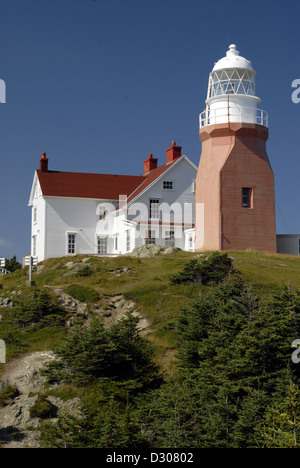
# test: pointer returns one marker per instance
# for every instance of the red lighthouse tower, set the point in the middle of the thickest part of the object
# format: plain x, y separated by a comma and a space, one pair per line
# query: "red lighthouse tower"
235, 196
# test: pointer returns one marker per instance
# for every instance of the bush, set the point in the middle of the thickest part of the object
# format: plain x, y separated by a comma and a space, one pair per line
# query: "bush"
8, 394
191, 273
118, 353
39, 309
42, 409
212, 271
85, 271
83, 293
216, 268
55, 372
14, 343
12, 264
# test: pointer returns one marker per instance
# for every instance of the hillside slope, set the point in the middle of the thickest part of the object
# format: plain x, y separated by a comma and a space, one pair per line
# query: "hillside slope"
71, 291
144, 282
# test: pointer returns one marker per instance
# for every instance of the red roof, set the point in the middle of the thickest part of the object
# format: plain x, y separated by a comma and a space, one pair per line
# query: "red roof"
96, 186
83, 185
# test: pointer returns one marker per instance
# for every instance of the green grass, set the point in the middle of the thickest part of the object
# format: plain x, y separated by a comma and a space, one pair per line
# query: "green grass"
266, 273
82, 293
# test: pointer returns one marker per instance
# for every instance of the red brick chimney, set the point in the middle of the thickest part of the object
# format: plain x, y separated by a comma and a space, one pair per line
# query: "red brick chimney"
44, 163
173, 152
150, 164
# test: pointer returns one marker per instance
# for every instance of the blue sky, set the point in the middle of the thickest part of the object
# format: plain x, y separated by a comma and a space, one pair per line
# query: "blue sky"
100, 84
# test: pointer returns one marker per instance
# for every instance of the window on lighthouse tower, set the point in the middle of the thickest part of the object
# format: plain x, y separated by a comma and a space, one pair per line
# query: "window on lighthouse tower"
247, 197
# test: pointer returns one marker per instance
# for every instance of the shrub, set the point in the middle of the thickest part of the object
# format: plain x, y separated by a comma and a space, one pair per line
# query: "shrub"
39, 309
85, 271
216, 268
12, 340
118, 353
12, 264
55, 372
191, 273
8, 394
212, 271
42, 408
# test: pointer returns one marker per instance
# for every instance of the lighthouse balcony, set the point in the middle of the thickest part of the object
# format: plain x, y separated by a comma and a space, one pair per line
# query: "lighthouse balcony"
226, 114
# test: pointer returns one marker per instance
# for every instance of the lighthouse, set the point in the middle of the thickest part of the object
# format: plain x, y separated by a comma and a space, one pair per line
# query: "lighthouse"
235, 195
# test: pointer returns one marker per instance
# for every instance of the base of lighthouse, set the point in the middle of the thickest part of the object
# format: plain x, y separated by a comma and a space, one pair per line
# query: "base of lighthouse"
235, 195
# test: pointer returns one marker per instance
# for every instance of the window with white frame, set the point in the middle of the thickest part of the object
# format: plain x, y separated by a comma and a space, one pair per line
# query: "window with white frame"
71, 243
168, 185
170, 239
102, 245
35, 214
154, 209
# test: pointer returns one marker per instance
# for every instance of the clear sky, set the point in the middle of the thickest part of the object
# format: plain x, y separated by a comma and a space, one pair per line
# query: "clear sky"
100, 84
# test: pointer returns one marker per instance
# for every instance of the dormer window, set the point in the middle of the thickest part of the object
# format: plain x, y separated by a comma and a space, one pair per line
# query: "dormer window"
168, 185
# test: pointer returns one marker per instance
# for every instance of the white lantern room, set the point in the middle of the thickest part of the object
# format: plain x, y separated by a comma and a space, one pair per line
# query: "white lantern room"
231, 93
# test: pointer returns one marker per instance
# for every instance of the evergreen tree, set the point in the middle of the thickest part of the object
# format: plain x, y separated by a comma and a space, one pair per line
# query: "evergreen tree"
116, 427
234, 351
12, 264
38, 309
280, 426
118, 352
215, 269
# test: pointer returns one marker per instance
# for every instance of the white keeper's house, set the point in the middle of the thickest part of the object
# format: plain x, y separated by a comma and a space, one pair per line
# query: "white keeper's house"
107, 214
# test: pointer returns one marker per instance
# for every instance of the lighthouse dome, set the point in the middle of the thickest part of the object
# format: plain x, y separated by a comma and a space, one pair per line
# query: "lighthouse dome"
233, 59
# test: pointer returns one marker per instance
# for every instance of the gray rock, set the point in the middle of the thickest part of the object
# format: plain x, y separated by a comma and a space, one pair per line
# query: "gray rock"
151, 250
17, 428
7, 303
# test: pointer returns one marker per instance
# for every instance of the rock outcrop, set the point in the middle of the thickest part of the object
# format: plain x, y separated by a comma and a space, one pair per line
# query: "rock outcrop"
151, 250
18, 429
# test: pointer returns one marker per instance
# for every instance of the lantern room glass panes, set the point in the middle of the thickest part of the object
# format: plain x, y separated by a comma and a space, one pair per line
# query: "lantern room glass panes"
231, 82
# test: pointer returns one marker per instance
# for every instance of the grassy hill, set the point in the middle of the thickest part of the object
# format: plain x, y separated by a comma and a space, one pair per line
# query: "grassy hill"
231, 341
146, 281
